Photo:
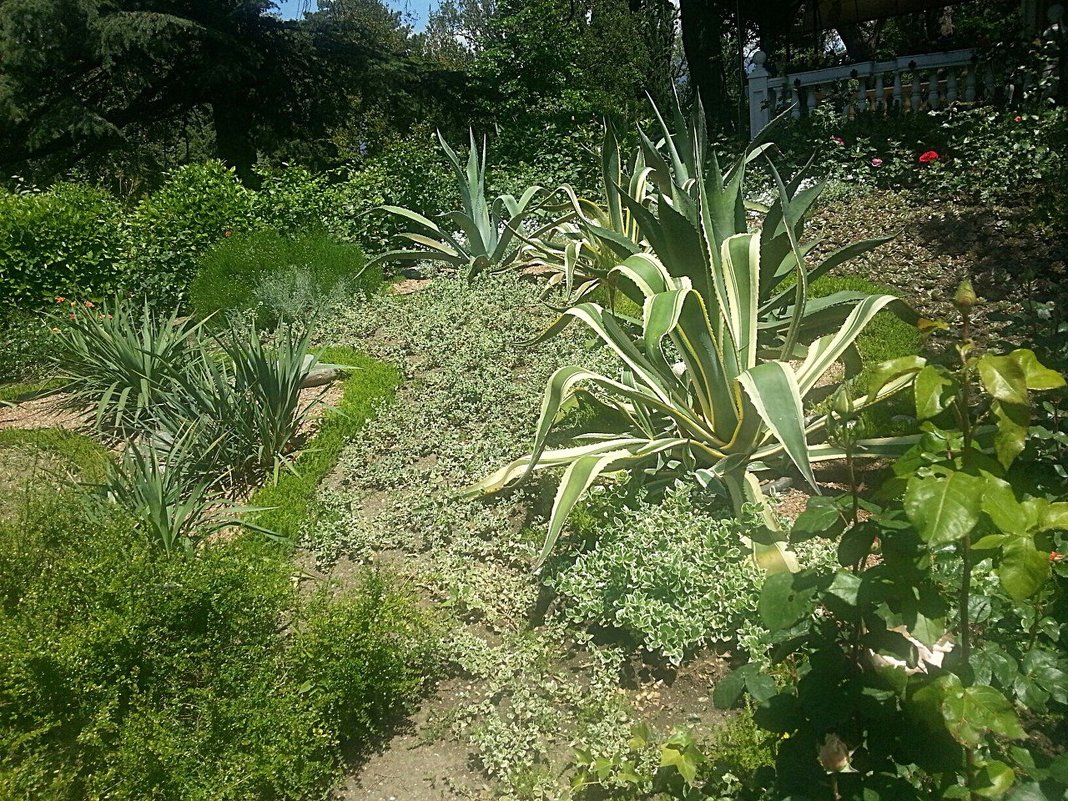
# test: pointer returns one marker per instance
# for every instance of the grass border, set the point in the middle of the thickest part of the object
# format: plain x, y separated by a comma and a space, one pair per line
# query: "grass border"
85, 454
19, 392
291, 498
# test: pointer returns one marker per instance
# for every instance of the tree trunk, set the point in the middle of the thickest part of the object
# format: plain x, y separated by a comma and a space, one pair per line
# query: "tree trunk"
703, 37
233, 141
857, 48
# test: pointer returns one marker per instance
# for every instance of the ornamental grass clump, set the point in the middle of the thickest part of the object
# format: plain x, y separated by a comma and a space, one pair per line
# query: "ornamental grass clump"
722, 373
244, 393
167, 495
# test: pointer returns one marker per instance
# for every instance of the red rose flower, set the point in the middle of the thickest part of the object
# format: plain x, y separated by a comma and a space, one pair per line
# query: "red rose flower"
838, 140
929, 157
1055, 557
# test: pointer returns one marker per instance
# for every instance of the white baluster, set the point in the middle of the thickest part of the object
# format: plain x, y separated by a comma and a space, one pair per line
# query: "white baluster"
862, 94
969, 85
880, 93
810, 96
951, 85
758, 94
796, 112
914, 102
988, 85
897, 90
932, 90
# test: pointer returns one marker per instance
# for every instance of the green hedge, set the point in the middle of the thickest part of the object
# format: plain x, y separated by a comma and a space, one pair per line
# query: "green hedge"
195, 208
68, 241
280, 278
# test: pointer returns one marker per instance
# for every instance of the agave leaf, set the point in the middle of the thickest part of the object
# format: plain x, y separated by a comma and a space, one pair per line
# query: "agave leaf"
583, 471
413, 216
828, 349
774, 392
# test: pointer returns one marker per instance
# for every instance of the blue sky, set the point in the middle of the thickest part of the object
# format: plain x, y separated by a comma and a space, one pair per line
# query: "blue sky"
416, 9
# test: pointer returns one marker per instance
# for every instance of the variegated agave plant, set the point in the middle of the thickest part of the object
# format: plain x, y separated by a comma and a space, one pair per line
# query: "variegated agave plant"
480, 238
580, 248
730, 357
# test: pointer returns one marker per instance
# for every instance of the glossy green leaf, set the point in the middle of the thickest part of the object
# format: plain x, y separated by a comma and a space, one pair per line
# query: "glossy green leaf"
822, 518
1000, 504
781, 604
1003, 378
945, 507
1036, 376
994, 779
1022, 568
974, 712
933, 389
1012, 429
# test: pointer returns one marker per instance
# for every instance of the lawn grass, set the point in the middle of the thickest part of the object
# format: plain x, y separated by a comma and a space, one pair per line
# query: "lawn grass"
288, 502
36, 464
85, 455
19, 392
885, 337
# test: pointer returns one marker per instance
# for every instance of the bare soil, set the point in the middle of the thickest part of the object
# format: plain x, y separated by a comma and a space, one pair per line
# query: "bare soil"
47, 412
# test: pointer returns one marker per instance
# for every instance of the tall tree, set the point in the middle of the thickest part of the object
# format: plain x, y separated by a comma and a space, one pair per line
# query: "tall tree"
82, 76
705, 37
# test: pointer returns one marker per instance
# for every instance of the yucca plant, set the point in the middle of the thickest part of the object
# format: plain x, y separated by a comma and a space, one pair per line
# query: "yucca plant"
480, 238
247, 395
123, 363
176, 507
707, 385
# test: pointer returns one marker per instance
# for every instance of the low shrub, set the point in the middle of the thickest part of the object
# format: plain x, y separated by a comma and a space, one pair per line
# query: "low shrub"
123, 363
130, 675
171, 229
68, 241
673, 576
980, 154
279, 278
361, 654
25, 343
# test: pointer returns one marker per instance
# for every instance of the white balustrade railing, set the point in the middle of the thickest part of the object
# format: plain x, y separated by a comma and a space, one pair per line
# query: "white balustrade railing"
907, 84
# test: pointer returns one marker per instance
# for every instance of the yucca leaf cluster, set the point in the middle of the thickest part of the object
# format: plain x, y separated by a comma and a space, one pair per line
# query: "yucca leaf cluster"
198, 417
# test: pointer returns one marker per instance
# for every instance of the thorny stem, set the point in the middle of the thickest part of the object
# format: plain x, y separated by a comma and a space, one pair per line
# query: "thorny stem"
966, 544
852, 478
